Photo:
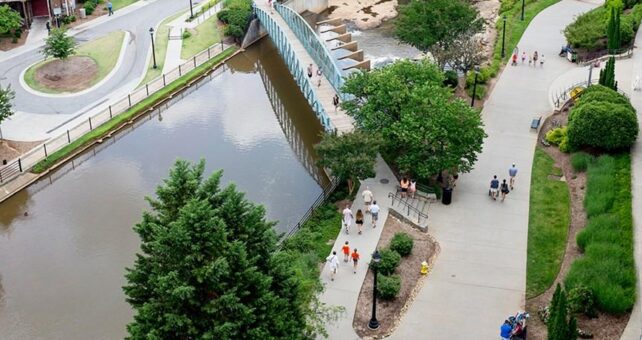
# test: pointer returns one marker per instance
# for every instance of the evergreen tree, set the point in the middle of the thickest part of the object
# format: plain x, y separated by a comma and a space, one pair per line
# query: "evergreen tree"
613, 39
559, 326
208, 267
607, 75
572, 328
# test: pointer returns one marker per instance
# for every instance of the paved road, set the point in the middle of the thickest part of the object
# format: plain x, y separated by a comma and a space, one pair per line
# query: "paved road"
147, 14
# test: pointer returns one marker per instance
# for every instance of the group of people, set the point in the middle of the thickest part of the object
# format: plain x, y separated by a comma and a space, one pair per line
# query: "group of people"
372, 209
514, 327
532, 59
311, 73
503, 188
408, 187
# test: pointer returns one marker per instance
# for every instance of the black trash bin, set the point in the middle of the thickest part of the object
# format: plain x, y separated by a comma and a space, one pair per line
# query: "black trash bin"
446, 196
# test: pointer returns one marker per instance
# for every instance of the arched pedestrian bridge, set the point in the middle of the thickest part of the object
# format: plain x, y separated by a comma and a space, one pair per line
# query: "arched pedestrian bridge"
300, 45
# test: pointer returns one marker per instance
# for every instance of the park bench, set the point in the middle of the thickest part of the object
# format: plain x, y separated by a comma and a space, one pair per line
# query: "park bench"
535, 123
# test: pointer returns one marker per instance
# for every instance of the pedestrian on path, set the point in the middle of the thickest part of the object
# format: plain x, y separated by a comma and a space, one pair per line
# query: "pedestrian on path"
110, 8
319, 77
333, 261
48, 25
512, 172
412, 189
514, 63
530, 60
374, 210
271, 5
542, 60
494, 186
335, 102
505, 330
504, 189
535, 59
359, 221
404, 184
523, 57
347, 218
346, 251
355, 259
367, 198
310, 71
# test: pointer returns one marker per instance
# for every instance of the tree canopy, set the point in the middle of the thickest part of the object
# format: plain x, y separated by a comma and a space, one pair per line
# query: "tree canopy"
208, 267
6, 103
59, 45
10, 19
424, 129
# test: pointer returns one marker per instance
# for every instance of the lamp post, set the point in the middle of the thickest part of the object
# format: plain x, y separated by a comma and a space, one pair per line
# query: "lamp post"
472, 100
151, 35
374, 323
191, 9
504, 37
522, 10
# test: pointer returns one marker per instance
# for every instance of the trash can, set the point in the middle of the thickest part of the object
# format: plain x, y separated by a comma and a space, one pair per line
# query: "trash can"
446, 196
83, 13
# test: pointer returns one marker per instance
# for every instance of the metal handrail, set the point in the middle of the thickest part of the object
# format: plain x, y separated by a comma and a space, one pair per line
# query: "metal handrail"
595, 56
315, 47
409, 206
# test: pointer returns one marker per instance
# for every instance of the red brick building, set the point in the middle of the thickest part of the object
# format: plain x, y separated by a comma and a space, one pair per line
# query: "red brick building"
30, 9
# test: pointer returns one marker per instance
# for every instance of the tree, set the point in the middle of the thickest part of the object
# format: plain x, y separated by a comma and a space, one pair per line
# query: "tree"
607, 75
435, 25
208, 267
59, 45
558, 326
613, 34
350, 156
424, 129
10, 20
6, 106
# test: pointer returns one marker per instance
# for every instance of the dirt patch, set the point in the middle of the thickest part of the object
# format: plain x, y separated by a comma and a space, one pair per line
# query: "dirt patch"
6, 43
11, 149
389, 313
75, 74
604, 327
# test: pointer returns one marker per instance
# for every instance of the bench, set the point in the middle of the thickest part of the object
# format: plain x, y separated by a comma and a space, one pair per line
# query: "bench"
535, 123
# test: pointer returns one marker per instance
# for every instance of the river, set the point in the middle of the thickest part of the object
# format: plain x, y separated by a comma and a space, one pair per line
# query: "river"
65, 241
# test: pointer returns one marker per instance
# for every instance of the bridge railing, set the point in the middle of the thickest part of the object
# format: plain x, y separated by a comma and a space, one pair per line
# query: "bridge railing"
313, 44
294, 65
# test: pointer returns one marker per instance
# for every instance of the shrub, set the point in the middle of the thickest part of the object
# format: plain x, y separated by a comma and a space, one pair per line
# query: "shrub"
89, 7
186, 34
580, 161
451, 79
223, 15
388, 287
603, 125
480, 91
389, 261
588, 30
581, 301
555, 136
402, 243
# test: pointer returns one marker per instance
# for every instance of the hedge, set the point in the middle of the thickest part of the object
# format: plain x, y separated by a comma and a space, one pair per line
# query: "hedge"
588, 31
603, 125
389, 261
402, 243
388, 287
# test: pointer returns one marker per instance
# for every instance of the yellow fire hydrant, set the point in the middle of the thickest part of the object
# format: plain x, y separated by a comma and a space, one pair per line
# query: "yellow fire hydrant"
424, 268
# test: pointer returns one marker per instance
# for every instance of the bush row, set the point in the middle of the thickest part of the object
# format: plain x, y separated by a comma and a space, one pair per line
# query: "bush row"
607, 268
588, 31
90, 6
388, 283
236, 15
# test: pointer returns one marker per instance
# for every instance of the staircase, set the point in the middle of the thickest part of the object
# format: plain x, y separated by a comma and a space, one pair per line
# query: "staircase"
414, 209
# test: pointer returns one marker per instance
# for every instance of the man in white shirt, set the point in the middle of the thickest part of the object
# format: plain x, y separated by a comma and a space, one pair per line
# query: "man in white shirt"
333, 261
347, 218
367, 198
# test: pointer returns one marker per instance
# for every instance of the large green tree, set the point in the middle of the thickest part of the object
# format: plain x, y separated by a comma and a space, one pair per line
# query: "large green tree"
350, 156
208, 267
6, 103
424, 128
10, 20
59, 45
436, 25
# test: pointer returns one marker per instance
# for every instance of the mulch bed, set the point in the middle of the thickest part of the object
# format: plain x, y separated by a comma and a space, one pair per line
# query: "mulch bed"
75, 74
6, 43
10, 149
389, 313
605, 326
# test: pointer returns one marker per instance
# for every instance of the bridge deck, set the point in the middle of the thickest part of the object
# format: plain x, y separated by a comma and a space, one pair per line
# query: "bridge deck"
342, 122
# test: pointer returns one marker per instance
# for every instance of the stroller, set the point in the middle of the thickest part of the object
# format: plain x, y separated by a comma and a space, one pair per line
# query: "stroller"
518, 323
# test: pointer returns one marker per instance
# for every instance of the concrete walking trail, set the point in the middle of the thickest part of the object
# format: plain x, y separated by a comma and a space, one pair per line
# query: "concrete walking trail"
479, 278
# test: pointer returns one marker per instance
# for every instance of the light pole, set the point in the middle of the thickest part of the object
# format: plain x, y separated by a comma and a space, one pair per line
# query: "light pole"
151, 35
504, 37
522, 10
374, 323
191, 9
472, 100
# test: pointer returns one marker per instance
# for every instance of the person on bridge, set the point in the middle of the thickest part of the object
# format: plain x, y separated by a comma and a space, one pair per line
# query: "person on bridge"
335, 102
319, 77
110, 8
310, 71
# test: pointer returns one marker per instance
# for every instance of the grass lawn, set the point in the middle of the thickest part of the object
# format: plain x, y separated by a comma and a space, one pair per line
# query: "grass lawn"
548, 222
120, 4
161, 39
203, 36
104, 51
133, 111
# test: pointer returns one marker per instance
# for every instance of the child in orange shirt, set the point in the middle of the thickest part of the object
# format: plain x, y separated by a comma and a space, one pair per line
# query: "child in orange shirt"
346, 252
355, 259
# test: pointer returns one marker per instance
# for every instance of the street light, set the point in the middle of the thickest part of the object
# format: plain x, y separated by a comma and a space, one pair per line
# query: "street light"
472, 101
522, 10
374, 323
151, 34
504, 36
191, 9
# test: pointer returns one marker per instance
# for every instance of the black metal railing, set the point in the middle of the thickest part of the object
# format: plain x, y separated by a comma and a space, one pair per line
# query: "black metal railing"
407, 205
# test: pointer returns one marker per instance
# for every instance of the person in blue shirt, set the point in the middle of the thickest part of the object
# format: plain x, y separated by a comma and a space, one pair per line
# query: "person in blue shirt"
505, 330
110, 8
512, 172
494, 186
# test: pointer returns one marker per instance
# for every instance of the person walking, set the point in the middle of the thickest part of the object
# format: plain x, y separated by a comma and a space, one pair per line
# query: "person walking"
347, 218
494, 186
355, 259
110, 8
359, 221
374, 211
542, 60
530, 60
335, 102
512, 172
404, 184
504, 189
523, 57
319, 77
48, 26
346, 251
412, 189
367, 198
333, 263
514, 63
310, 71
505, 330
535, 59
